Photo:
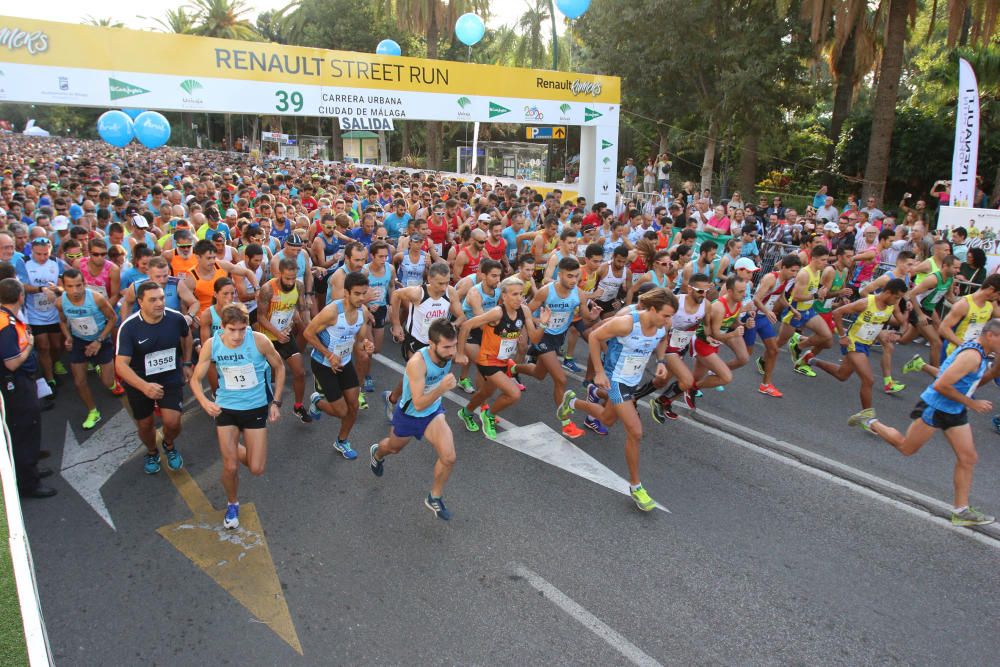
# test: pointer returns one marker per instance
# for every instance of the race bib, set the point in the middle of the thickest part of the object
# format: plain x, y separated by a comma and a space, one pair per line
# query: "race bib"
239, 377
828, 304
161, 361
412, 281
83, 326
508, 346
438, 248
680, 339
974, 330
558, 320
867, 332
343, 349
42, 301
281, 319
98, 289
633, 364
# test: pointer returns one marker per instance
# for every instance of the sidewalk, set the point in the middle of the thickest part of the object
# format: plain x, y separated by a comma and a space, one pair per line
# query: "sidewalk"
12, 647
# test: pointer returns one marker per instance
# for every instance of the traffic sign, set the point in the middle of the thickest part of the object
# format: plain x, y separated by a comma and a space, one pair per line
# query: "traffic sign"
546, 132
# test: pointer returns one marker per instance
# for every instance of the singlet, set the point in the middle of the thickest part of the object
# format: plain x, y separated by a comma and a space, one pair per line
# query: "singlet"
102, 281
966, 385
339, 337
627, 356
180, 266
472, 266
425, 312
242, 374
380, 283
438, 233
934, 269
609, 248
432, 378
330, 246
562, 309
839, 279
869, 323
555, 271
665, 283
728, 321
812, 287
610, 285
281, 310
496, 252
499, 343
685, 324
775, 293
488, 300
204, 288
729, 268
251, 291
971, 326
412, 273
864, 270
86, 321
709, 271
930, 300
38, 307
892, 275
216, 325
170, 295
300, 261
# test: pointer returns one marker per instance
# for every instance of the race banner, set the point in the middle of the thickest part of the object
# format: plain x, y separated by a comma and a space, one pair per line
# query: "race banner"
966, 156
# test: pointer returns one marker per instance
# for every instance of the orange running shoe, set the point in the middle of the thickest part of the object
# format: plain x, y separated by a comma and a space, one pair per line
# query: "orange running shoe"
769, 390
572, 431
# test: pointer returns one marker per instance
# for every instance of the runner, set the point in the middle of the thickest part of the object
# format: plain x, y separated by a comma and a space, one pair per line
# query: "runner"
614, 279
88, 322
500, 329
871, 313
412, 264
99, 274
889, 335
355, 255
800, 314
381, 283
944, 406
243, 403
40, 277
469, 256
154, 362
427, 378
482, 295
281, 308
924, 298
769, 299
246, 292
631, 339
333, 334
201, 279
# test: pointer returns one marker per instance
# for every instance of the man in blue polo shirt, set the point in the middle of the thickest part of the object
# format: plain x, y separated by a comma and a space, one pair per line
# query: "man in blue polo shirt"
396, 222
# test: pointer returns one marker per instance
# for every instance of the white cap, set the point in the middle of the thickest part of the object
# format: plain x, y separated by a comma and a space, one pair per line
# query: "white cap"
113, 189
746, 263
60, 223
232, 213
140, 221
831, 227
484, 217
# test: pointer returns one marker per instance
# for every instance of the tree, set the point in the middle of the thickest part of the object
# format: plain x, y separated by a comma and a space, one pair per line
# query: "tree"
531, 50
103, 22
177, 21
224, 19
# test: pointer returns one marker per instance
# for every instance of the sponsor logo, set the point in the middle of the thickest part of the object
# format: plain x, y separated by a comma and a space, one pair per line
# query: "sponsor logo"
463, 102
604, 188
32, 42
606, 160
605, 144
497, 110
590, 114
120, 89
64, 83
577, 87
190, 85
564, 108
191, 99
533, 113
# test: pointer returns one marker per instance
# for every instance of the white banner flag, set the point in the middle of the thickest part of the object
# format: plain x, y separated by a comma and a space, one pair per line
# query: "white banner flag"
475, 146
966, 157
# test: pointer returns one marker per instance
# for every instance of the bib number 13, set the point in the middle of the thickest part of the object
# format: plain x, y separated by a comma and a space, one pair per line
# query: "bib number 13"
288, 100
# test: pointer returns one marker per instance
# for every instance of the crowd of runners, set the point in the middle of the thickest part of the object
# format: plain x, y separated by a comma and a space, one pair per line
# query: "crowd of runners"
151, 273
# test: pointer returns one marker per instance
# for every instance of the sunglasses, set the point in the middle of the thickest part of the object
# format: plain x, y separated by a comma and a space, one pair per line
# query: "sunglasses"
698, 290
381, 238
72, 256
98, 254
41, 241
190, 245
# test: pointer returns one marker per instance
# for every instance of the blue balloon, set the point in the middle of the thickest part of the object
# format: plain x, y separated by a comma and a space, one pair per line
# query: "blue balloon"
388, 47
469, 29
133, 113
573, 9
115, 127
152, 129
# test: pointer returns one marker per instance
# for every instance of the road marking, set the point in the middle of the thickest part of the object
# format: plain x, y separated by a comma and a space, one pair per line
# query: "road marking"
633, 653
544, 443
238, 560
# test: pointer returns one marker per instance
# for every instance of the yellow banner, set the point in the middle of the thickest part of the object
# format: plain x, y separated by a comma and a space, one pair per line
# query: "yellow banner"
34, 42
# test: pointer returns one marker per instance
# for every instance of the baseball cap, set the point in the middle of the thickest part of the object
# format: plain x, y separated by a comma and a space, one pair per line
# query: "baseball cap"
114, 189
232, 213
140, 221
484, 217
831, 227
293, 240
60, 223
746, 263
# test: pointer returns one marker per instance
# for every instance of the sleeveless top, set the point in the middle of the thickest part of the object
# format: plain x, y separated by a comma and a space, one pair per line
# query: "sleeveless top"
611, 284
562, 309
204, 288
969, 328
242, 374
39, 310
339, 337
869, 322
86, 321
500, 340
425, 312
488, 300
380, 283
628, 355
472, 266
281, 310
966, 385
685, 324
432, 378
412, 273
102, 281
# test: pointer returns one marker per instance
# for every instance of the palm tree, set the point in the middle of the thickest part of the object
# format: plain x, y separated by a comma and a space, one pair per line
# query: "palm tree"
531, 50
177, 21
431, 17
103, 22
223, 18
284, 25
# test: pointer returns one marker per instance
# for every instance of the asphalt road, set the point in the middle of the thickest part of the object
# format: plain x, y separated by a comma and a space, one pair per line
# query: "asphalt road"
759, 561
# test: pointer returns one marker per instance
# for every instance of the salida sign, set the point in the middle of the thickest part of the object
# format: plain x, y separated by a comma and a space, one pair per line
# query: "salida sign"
373, 124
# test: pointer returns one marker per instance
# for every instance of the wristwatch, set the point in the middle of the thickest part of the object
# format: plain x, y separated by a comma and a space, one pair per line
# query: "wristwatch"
278, 403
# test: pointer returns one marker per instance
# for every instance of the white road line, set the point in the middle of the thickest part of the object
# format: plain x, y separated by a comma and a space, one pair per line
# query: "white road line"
854, 486
633, 653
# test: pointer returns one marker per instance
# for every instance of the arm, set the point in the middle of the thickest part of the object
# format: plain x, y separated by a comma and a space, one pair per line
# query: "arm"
205, 326
875, 284
337, 285
965, 363
615, 326
326, 317
265, 347
302, 312
913, 296
490, 317
457, 314
764, 287
114, 284
951, 320
550, 268
644, 278
407, 296
535, 333
198, 374
461, 259
416, 375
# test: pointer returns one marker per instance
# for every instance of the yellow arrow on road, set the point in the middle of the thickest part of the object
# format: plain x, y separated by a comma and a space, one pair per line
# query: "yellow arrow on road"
238, 560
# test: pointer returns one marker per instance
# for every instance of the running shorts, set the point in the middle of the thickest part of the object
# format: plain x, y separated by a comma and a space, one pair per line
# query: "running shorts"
104, 355
855, 347
703, 349
142, 406
286, 350
244, 420
938, 419
330, 385
548, 343
762, 327
379, 315
410, 346
408, 426
798, 318
618, 393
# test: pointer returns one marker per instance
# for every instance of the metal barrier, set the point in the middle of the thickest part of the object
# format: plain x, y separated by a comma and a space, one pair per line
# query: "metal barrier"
35, 636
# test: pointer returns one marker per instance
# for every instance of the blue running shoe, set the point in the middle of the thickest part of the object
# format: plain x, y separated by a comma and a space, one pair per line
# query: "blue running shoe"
174, 459
720, 388
344, 447
377, 465
369, 384
571, 365
436, 505
389, 406
314, 411
698, 394
592, 396
595, 425
151, 463
996, 424
232, 519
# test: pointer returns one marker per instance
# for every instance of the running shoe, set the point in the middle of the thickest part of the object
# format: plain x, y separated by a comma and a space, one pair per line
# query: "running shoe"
362, 401
314, 412
489, 422
93, 417
232, 519
793, 347
571, 365
377, 465
465, 384
117, 389
369, 384
642, 499
996, 424
769, 390
300, 412
436, 505
521, 386
656, 411
59, 369
595, 425
970, 516
672, 391
893, 387
760, 365
689, 397
914, 365
174, 459
698, 394
389, 405
469, 419
720, 388
571, 430
806, 370
344, 447
861, 418
151, 463
565, 410
592, 396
